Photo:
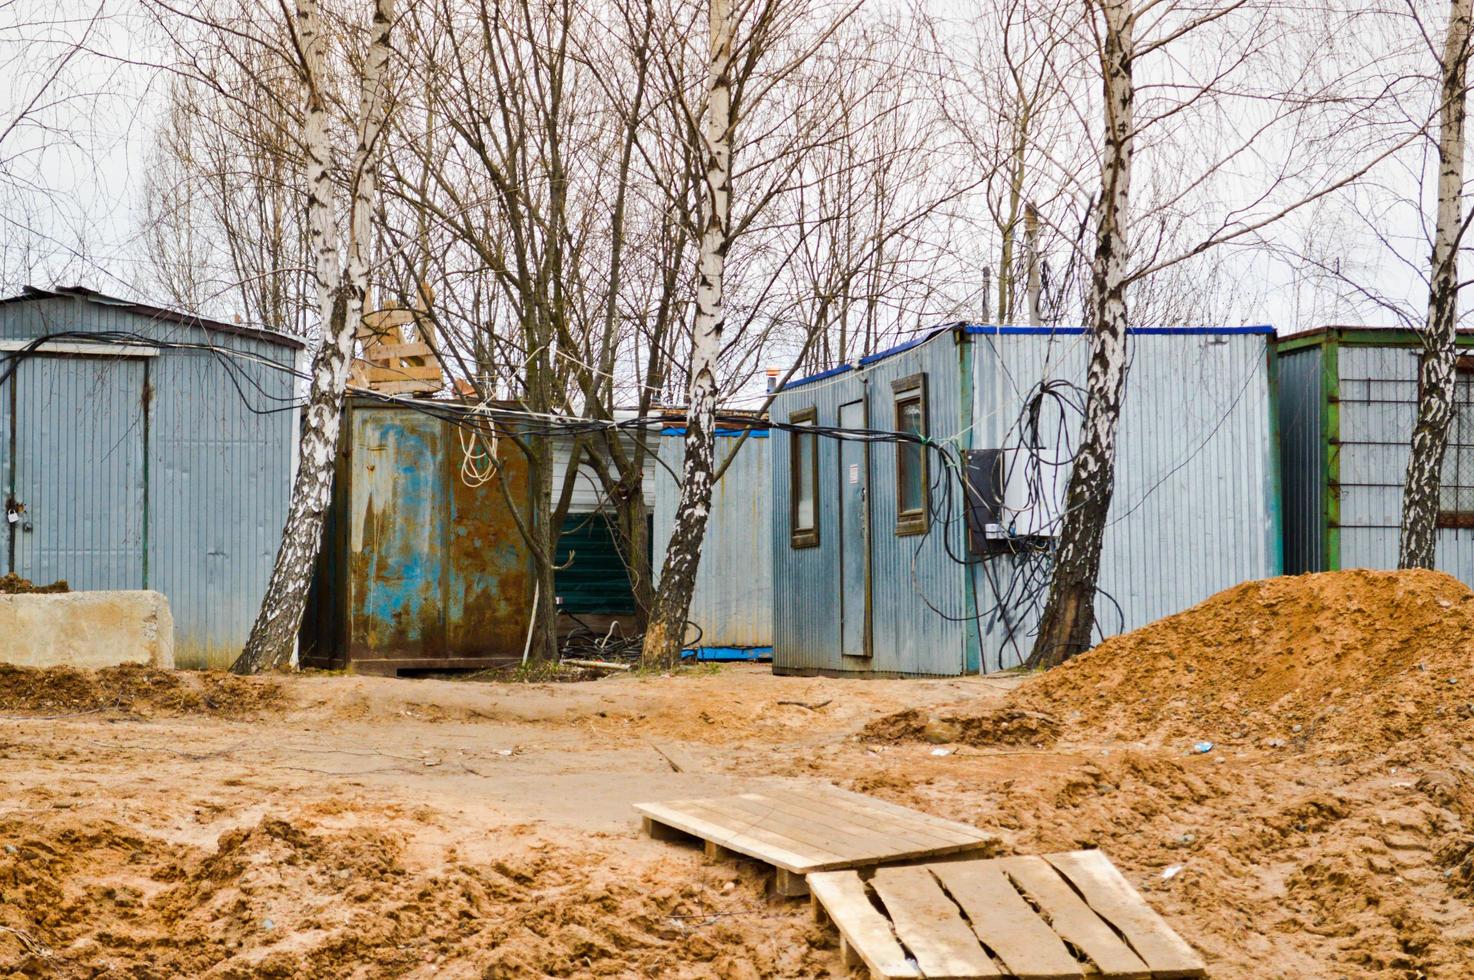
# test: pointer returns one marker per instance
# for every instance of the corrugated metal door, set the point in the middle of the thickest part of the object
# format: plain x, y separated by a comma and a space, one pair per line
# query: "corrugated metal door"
77, 438
854, 532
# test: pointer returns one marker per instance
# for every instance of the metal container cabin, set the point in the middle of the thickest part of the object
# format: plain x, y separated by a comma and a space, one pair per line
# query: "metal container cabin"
1348, 403
1194, 510
142, 466
732, 606
419, 570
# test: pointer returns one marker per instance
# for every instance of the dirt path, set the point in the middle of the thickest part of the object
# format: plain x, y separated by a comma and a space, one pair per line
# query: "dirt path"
361, 827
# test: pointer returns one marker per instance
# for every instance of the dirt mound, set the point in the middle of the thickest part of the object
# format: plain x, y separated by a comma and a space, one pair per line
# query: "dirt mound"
1359, 657
13, 584
1273, 867
288, 898
134, 688
994, 726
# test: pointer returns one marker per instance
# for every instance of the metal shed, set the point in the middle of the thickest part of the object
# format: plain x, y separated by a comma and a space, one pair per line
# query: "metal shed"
874, 589
129, 465
418, 570
1348, 402
733, 601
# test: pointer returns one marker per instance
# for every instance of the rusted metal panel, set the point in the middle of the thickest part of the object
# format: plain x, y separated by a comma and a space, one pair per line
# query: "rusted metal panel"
437, 574
489, 580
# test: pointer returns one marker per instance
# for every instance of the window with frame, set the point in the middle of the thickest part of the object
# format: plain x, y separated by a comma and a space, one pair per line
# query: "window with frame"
1456, 481
909, 394
803, 480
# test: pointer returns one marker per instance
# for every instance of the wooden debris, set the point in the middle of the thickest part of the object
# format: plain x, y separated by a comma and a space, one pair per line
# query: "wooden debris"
393, 363
598, 664
802, 830
1057, 917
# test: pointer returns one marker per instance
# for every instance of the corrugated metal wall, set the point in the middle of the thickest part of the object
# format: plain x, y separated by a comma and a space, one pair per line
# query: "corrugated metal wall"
1378, 405
733, 602
85, 508
218, 461
1195, 508
1302, 458
915, 585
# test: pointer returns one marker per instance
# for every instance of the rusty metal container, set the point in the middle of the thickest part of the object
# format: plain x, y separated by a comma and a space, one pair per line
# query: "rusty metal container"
419, 571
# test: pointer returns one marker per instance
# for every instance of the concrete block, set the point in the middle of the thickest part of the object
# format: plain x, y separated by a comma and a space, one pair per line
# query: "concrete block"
87, 629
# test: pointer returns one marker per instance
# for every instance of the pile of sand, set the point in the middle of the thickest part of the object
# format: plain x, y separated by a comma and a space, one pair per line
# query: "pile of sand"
292, 898
967, 725
1355, 657
133, 688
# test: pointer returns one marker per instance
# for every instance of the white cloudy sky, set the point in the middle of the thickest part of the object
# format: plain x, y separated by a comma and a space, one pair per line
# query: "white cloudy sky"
72, 176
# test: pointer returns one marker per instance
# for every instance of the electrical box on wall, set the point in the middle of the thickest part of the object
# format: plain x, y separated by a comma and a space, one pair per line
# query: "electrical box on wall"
1014, 496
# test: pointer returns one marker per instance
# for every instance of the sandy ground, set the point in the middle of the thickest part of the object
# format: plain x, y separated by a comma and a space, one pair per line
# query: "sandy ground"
361, 827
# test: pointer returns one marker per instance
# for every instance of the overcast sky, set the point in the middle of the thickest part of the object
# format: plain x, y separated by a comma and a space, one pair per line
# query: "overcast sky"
73, 176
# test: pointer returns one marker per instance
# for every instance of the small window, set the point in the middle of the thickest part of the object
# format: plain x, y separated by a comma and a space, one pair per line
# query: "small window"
911, 476
1456, 482
803, 477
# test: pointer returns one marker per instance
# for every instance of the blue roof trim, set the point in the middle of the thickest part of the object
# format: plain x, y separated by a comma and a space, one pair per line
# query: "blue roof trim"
818, 377
673, 430
1264, 329
869, 359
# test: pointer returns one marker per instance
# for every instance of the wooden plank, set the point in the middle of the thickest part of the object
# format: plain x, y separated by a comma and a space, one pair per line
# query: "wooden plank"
862, 929
876, 825
1108, 892
900, 817
429, 373
1073, 920
384, 320
756, 826
696, 821
814, 831
658, 831
790, 884
1005, 923
930, 925
404, 350
405, 387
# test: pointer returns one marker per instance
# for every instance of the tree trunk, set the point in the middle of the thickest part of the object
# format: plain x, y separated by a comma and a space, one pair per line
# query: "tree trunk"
634, 530
667, 626
1436, 363
1069, 614
340, 305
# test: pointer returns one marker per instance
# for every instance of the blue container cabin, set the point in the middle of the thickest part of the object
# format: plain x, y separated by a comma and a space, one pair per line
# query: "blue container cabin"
870, 580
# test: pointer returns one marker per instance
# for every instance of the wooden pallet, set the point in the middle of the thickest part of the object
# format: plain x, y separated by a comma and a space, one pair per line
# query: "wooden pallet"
801, 831
1041, 918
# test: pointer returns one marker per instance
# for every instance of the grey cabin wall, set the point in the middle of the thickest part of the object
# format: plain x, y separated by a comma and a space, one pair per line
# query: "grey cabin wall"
733, 601
1195, 507
210, 451
912, 576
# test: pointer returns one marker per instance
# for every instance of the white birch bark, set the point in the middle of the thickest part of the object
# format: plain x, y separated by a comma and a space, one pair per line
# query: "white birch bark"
1436, 363
1069, 614
340, 306
683, 554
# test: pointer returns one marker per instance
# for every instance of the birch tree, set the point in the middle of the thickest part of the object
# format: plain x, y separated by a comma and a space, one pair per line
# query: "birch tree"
1267, 65
342, 280
667, 625
1436, 361
1069, 614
